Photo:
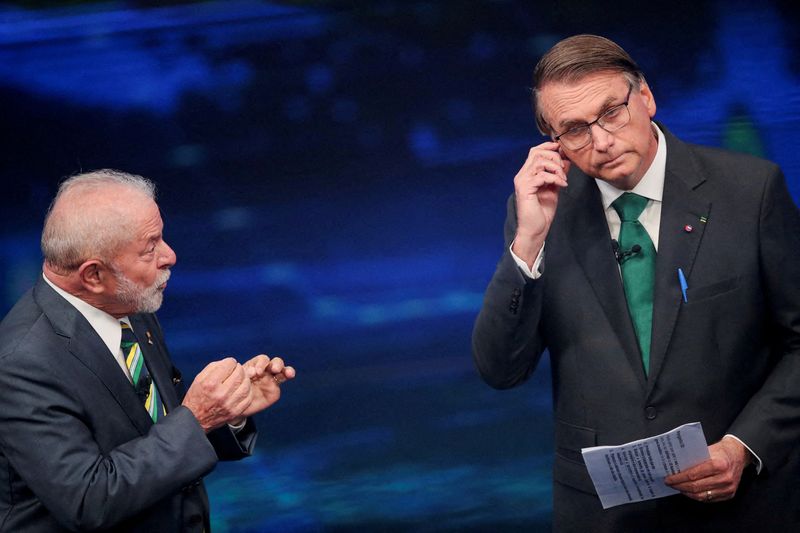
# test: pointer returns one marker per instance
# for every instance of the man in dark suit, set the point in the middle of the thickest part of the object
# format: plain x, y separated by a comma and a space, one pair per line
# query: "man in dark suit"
686, 309
97, 431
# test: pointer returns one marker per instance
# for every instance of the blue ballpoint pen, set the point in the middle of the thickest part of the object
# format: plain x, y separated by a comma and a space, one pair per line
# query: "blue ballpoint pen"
684, 285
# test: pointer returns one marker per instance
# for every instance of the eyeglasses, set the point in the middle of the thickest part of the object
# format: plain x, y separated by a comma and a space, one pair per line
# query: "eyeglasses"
611, 120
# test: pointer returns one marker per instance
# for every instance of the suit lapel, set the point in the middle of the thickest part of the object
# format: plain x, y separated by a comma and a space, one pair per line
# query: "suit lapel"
88, 348
156, 362
680, 233
591, 242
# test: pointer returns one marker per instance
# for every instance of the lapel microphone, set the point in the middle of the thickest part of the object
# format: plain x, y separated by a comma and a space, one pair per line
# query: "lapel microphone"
623, 255
143, 387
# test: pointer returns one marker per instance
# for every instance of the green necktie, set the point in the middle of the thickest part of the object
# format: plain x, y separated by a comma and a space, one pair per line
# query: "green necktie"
638, 269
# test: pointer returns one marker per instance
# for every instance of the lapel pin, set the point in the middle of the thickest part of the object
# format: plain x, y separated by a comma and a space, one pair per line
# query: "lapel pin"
703, 219
688, 228
149, 338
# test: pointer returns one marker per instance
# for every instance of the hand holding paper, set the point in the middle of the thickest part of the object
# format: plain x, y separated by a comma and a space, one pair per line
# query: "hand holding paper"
716, 479
635, 471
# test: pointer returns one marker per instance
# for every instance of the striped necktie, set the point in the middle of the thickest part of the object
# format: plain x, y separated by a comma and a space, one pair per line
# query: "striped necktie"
142, 382
638, 269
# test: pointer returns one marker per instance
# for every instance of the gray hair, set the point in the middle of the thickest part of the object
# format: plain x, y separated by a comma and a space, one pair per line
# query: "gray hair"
77, 229
576, 57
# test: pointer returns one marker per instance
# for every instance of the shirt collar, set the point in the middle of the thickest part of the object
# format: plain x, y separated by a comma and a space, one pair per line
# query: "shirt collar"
106, 326
652, 183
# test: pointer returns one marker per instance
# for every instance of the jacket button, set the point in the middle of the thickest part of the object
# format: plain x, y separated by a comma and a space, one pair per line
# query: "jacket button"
650, 412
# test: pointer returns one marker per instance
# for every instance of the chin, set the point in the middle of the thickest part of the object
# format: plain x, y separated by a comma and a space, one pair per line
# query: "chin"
617, 176
151, 304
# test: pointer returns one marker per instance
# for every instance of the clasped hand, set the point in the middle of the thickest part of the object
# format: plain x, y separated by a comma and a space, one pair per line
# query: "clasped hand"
226, 392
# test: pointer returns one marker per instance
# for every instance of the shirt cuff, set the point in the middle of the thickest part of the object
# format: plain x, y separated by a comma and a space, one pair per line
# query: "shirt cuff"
238, 427
538, 264
756, 459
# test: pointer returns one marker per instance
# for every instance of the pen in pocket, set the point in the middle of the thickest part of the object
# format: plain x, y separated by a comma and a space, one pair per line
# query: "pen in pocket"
684, 285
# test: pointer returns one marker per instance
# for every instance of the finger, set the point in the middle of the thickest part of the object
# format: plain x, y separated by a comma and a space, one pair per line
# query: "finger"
538, 158
711, 495
530, 185
236, 377
724, 485
257, 365
541, 156
552, 167
553, 175
703, 470
539, 182
287, 374
544, 150
531, 168
547, 146
276, 365
701, 485
218, 371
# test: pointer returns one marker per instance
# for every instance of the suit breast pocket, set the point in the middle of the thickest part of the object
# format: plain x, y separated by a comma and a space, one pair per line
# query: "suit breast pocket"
711, 290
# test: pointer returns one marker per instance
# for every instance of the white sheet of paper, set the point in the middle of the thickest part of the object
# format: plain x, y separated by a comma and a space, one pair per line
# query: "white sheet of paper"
635, 472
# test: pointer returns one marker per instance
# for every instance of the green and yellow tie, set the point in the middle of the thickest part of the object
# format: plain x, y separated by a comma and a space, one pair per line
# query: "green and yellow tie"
638, 269
142, 382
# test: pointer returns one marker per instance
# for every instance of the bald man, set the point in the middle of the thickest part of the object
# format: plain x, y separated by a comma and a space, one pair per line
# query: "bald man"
97, 430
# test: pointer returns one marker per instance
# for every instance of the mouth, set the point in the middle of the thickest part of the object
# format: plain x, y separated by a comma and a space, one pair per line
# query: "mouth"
165, 277
613, 161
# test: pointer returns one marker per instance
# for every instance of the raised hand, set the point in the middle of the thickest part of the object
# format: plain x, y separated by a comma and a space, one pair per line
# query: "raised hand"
220, 394
536, 188
266, 376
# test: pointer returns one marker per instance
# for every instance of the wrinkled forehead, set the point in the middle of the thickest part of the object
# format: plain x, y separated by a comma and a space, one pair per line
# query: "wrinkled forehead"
562, 103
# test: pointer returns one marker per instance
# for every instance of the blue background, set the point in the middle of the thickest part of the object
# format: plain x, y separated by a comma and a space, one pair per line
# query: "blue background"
333, 177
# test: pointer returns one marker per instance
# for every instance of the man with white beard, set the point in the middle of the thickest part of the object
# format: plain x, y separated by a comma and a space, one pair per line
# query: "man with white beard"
97, 430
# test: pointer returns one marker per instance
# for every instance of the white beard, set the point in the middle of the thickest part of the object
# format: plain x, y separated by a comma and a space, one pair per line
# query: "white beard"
141, 299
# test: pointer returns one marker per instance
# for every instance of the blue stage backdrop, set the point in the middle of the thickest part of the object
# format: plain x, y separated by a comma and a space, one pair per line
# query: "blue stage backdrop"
333, 177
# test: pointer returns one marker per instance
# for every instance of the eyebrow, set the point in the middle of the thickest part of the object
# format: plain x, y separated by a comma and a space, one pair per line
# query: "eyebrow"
152, 238
607, 104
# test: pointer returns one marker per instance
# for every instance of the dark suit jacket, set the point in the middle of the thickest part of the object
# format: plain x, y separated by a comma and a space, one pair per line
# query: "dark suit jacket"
77, 449
729, 358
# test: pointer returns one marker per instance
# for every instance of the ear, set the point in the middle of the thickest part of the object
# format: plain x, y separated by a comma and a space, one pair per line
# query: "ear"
647, 98
95, 276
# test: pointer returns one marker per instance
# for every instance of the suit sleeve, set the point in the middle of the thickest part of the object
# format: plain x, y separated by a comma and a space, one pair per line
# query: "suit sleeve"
770, 422
234, 445
506, 343
228, 444
47, 440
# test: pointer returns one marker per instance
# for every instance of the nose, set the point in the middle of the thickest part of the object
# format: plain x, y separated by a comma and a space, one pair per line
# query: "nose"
167, 258
601, 139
